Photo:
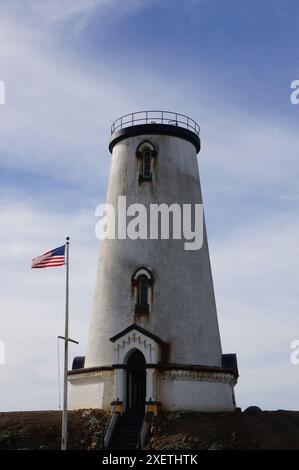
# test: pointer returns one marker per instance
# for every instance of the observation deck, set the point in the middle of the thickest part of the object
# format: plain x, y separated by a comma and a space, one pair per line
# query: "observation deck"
155, 122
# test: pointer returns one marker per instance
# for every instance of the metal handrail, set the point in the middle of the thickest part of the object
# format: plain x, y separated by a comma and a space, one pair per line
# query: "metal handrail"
155, 117
110, 418
144, 418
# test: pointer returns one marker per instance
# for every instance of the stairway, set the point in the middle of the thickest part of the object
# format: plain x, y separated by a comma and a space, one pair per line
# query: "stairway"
127, 430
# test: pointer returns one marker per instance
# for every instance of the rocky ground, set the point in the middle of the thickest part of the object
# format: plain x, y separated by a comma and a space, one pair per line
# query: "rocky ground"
42, 429
253, 429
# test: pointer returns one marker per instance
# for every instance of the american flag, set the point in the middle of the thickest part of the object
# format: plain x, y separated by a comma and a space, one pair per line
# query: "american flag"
50, 259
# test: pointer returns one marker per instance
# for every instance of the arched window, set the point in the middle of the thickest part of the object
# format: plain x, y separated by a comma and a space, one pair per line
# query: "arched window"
147, 164
142, 298
142, 282
146, 154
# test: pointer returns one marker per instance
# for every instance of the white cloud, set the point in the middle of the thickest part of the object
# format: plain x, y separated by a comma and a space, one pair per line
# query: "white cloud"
255, 273
32, 301
55, 114
76, 14
66, 10
59, 114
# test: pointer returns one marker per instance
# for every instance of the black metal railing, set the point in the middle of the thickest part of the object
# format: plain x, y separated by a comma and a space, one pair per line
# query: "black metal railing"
139, 444
155, 117
109, 421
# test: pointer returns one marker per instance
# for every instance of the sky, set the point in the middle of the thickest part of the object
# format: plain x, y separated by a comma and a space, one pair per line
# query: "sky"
70, 68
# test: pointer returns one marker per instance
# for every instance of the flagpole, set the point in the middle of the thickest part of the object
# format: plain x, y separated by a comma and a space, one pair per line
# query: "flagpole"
66, 342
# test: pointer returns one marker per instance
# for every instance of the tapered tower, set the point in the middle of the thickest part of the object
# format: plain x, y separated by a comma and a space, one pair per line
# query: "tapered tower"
154, 336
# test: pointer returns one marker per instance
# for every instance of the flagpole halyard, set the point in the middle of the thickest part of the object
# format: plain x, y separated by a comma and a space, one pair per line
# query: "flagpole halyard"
66, 335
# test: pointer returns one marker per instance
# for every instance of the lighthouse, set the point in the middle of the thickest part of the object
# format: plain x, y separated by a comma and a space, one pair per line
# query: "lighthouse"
154, 340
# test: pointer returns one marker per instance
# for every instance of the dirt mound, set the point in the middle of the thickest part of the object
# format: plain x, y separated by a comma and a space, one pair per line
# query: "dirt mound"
215, 431
256, 429
42, 429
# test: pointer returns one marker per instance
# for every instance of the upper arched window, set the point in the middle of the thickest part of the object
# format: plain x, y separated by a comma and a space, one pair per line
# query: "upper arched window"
142, 281
146, 153
142, 288
147, 164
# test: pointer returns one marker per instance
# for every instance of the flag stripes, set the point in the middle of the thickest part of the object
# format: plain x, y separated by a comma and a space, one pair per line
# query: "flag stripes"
50, 259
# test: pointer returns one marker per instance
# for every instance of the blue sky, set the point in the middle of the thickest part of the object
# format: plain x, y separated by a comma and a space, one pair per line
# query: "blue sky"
73, 66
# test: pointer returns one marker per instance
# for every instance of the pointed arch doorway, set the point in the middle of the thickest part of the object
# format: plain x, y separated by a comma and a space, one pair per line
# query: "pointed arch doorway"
136, 382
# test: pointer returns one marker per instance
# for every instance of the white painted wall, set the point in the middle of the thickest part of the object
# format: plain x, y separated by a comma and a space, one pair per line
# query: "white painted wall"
183, 309
91, 392
175, 393
195, 395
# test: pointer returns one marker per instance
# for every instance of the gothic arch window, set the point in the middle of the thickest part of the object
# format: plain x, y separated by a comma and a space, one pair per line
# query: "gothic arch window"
142, 289
146, 153
147, 164
142, 282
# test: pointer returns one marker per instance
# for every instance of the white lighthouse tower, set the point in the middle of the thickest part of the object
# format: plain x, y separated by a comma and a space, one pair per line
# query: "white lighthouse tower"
154, 339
